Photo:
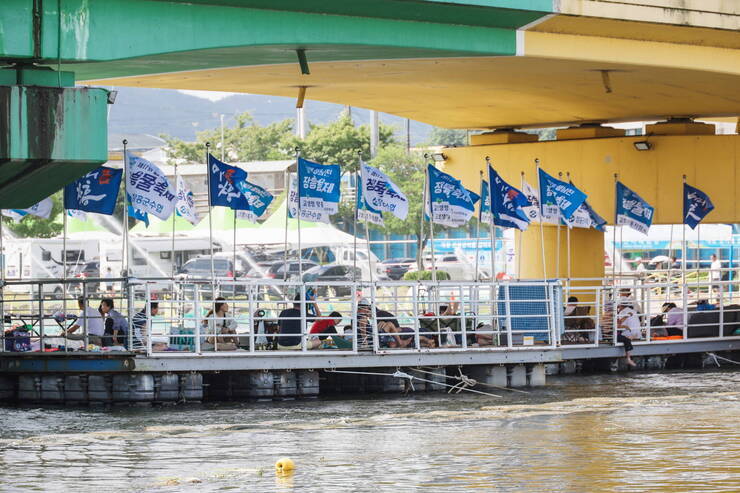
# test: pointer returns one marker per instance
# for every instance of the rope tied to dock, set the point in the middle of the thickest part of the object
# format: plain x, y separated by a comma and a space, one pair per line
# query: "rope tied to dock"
715, 357
400, 374
466, 381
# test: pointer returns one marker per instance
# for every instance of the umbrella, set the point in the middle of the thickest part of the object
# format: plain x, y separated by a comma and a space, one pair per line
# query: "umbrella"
660, 259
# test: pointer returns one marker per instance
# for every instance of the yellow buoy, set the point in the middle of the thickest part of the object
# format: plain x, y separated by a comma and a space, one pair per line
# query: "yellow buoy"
284, 466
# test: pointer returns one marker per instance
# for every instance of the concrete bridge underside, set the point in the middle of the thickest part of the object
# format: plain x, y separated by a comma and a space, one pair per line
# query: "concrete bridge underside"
463, 64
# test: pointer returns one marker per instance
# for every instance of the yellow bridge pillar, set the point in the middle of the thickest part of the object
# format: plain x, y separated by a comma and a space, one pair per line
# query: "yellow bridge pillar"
586, 252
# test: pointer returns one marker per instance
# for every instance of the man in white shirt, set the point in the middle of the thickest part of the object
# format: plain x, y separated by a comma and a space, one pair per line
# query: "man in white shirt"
629, 329
715, 274
91, 319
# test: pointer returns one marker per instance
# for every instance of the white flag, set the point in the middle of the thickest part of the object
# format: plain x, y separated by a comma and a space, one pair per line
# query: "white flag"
533, 212
148, 188
381, 194
41, 209
311, 215
580, 219
185, 203
15, 214
81, 215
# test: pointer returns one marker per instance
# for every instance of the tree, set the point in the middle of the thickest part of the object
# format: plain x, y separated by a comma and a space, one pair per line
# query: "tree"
338, 142
38, 227
245, 141
448, 137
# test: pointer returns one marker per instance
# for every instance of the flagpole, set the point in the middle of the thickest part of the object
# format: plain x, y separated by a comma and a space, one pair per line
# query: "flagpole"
670, 266
614, 236
698, 263
298, 191
683, 247
477, 228
542, 220
358, 184
286, 181
2, 250
125, 257
492, 229
64, 247
557, 237
210, 218
519, 246
431, 229
174, 218
420, 247
233, 272
567, 240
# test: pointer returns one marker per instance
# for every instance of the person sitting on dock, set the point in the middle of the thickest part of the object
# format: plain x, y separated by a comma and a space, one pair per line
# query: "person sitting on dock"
628, 323
674, 319
289, 320
116, 325
220, 328
139, 324
578, 324
91, 321
323, 328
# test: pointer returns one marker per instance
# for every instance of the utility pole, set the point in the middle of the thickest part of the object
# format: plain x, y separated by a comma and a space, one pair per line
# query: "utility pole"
373, 133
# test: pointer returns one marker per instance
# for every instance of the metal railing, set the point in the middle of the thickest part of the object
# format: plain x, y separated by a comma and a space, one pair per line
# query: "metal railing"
180, 317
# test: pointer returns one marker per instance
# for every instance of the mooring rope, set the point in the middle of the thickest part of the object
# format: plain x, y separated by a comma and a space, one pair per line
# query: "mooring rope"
723, 359
465, 381
410, 378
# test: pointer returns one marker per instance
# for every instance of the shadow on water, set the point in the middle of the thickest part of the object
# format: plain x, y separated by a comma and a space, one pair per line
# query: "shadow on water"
645, 431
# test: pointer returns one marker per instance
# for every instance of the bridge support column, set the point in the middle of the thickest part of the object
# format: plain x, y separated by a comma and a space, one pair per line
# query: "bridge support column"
586, 252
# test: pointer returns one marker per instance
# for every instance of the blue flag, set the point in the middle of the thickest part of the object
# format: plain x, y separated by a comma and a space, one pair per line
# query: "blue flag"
225, 181
558, 195
632, 210
486, 217
137, 214
257, 198
450, 203
365, 211
96, 192
597, 222
507, 203
318, 186
696, 205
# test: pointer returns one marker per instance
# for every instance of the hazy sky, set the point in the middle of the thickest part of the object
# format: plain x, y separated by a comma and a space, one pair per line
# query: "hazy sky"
210, 95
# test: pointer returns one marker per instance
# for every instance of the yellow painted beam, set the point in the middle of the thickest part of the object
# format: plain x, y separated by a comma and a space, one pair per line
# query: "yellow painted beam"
546, 90
711, 163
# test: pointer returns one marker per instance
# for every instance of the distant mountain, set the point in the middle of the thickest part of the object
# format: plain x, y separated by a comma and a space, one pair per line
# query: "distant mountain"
170, 112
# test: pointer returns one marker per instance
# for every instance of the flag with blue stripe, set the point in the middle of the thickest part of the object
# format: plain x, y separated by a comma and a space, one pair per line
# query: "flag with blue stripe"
96, 192
557, 195
224, 181
632, 210
450, 203
696, 205
507, 203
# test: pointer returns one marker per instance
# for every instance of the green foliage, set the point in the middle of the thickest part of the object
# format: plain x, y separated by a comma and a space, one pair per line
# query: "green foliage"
407, 171
425, 275
448, 137
37, 227
245, 141
338, 142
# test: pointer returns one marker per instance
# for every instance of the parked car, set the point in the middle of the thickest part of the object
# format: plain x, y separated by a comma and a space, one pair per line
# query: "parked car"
261, 269
278, 269
458, 267
331, 273
395, 268
200, 268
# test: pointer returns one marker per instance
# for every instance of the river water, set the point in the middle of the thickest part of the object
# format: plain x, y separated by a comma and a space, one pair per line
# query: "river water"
639, 432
